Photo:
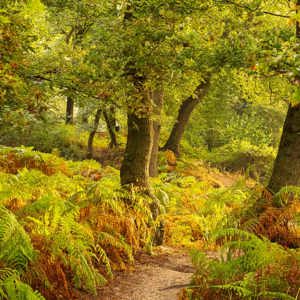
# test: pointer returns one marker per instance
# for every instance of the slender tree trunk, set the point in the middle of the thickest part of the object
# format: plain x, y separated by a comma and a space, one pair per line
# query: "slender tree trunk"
90, 148
184, 113
110, 120
135, 166
70, 111
157, 97
286, 170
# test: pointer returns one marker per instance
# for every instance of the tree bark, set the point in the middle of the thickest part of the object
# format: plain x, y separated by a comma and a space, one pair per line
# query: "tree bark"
70, 111
90, 148
135, 166
184, 113
286, 169
157, 97
110, 120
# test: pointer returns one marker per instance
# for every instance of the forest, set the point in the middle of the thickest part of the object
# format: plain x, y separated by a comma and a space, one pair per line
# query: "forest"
149, 149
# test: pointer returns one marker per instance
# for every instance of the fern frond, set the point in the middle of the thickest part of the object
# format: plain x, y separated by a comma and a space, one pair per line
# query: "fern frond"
15, 245
102, 256
105, 238
234, 234
14, 288
85, 275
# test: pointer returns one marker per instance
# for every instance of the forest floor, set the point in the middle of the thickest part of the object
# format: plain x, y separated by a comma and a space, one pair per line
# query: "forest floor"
160, 276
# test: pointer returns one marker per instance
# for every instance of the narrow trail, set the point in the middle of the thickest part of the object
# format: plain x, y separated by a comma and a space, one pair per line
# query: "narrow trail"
158, 277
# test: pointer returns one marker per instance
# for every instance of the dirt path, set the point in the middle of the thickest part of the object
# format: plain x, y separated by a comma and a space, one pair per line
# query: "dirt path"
157, 277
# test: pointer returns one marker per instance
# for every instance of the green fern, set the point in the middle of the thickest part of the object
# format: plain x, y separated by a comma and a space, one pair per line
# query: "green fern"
15, 245
102, 257
72, 242
13, 288
16, 252
71, 219
117, 242
247, 267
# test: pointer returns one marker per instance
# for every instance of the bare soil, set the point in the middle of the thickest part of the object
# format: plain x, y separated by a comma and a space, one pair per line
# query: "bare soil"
158, 277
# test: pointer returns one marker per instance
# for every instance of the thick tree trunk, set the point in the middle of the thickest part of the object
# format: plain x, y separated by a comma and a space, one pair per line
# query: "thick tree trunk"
90, 148
136, 163
157, 97
110, 119
135, 166
70, 111
185, 111
286, 169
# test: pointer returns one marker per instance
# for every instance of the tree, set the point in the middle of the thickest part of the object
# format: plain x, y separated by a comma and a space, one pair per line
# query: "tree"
78, 52
151, 29
135, 166
184, 113
70, 111
287, 164
111, 124
90, 147
21, 99
233, 47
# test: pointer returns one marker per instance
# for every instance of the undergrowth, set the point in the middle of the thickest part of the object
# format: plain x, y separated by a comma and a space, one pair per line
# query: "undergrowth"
239, 234
199, 201
51, 136
63, 225
246, 267
65, 229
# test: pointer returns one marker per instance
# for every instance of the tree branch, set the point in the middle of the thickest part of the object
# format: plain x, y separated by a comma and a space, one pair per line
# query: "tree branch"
67, 86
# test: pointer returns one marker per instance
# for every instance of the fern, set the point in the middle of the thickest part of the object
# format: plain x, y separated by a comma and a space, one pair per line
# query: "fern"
71, 219
108, 239
248, 267
13, 288
103, 258
71, 242
85, 275
16, 252
199, 260
15, 245
103, 194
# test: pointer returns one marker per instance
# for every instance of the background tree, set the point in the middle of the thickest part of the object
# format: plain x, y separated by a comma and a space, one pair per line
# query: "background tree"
21, 99
232, 46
